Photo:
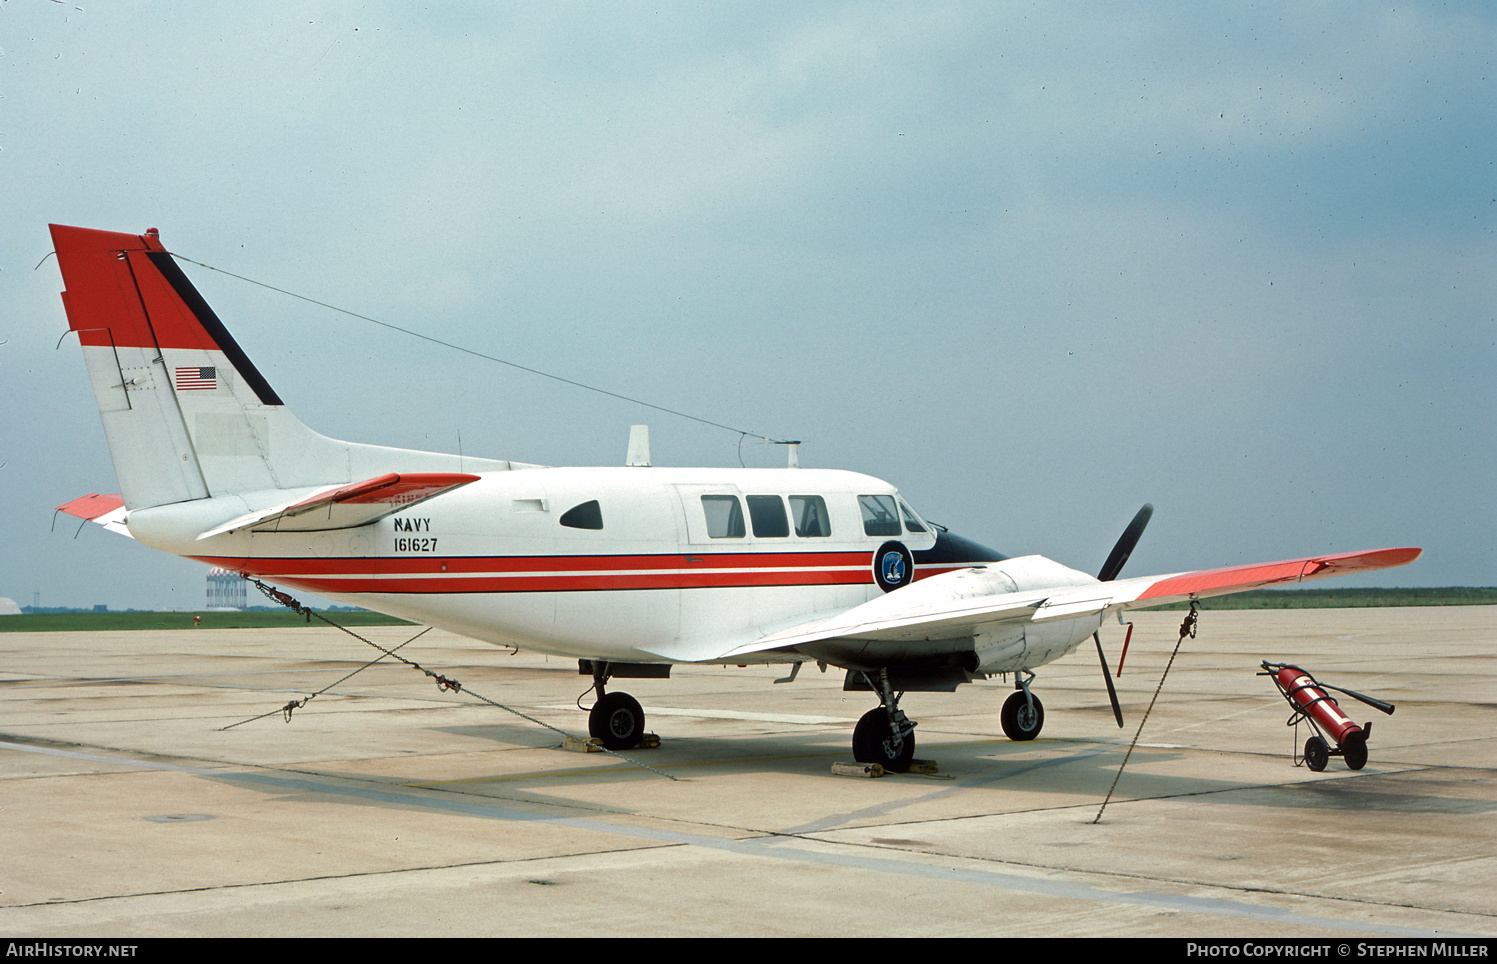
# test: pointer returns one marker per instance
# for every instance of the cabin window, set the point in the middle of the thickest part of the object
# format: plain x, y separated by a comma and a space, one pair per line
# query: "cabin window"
809, 513
912, 522
767, 513
588, 515
724, 516
880, 518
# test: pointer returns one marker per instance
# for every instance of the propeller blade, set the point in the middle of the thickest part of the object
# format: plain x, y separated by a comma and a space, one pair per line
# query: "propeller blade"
1124, 548
1112, 694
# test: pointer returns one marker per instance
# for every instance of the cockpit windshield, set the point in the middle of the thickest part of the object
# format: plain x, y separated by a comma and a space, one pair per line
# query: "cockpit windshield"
912, 522
882, 515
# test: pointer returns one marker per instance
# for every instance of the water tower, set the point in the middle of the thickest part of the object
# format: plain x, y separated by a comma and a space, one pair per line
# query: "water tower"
226, 591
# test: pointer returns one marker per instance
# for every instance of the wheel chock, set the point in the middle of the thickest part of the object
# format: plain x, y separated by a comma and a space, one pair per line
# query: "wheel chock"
857, 770
923, 766
594, 745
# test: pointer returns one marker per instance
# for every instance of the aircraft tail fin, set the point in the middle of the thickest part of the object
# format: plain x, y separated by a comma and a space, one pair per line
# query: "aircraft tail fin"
186, 413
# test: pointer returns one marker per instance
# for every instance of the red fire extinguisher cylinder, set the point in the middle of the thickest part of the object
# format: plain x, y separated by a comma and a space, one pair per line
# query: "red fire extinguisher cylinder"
1316, 702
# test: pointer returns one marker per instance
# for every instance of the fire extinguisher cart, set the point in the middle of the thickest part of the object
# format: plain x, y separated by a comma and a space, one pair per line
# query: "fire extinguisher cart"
1312, 704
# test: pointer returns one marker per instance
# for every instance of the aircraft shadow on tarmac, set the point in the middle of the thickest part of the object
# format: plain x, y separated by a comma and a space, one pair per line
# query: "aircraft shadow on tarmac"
1071, 767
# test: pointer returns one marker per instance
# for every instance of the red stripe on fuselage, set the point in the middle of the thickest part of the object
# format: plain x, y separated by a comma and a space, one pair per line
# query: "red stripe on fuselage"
404, 565
496, 574
573, 583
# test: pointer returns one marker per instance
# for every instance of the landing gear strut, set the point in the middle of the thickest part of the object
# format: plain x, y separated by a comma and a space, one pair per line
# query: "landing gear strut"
1023, 714
884, 735
616, 719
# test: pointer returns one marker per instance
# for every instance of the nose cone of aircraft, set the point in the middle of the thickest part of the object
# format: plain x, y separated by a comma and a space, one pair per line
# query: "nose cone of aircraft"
952, 548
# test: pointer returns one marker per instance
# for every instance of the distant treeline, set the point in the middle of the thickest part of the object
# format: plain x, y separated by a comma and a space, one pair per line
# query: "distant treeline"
1349, 598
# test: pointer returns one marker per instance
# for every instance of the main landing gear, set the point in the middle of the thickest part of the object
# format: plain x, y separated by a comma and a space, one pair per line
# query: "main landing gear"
1023, 714
616, 719
884, 735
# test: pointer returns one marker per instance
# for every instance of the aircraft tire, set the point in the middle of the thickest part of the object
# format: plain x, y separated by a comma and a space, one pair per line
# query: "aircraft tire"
871, 739
1019, 724
618, 720
1317, 754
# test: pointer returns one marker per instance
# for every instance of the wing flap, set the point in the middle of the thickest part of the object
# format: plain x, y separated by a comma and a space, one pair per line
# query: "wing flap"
347, 506
1071, 604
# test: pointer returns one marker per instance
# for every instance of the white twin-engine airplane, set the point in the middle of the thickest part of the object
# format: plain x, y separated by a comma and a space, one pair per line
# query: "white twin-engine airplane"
629, 569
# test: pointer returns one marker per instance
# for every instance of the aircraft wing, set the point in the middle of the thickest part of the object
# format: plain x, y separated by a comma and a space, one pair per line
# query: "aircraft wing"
1142, 592
964, 603
347, 506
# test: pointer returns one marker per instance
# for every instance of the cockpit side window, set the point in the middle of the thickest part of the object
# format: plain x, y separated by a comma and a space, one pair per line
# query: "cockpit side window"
767, 513
880, 518
588, 515
724, 516
811, 519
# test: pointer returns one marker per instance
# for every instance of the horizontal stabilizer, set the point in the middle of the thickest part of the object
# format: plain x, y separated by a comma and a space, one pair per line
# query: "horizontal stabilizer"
347, 506
106, 510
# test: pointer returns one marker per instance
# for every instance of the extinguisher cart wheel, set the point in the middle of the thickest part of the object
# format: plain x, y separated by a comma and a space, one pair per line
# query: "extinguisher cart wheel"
1354, 750
1317, 754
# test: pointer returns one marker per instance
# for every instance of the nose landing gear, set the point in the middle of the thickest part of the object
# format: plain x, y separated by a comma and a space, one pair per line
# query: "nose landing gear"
1023, 714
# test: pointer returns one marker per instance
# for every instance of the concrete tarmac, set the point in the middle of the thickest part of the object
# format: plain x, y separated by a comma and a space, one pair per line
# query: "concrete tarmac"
388, 806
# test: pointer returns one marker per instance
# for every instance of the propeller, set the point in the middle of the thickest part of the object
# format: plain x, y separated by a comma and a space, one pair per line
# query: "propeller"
1124, 548
1112, 693
1110, 569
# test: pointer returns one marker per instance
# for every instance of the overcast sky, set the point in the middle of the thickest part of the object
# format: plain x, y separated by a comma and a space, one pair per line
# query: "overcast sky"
1035, 264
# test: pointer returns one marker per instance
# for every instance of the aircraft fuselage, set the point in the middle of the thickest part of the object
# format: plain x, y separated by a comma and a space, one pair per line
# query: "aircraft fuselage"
630, 562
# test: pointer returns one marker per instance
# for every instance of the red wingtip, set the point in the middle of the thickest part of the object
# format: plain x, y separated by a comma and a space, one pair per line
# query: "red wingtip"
1349, 562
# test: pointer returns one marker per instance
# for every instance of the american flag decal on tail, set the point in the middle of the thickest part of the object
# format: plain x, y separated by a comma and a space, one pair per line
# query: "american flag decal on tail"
197, 379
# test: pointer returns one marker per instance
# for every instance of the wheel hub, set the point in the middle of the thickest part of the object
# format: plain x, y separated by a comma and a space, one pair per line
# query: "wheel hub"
621, 723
